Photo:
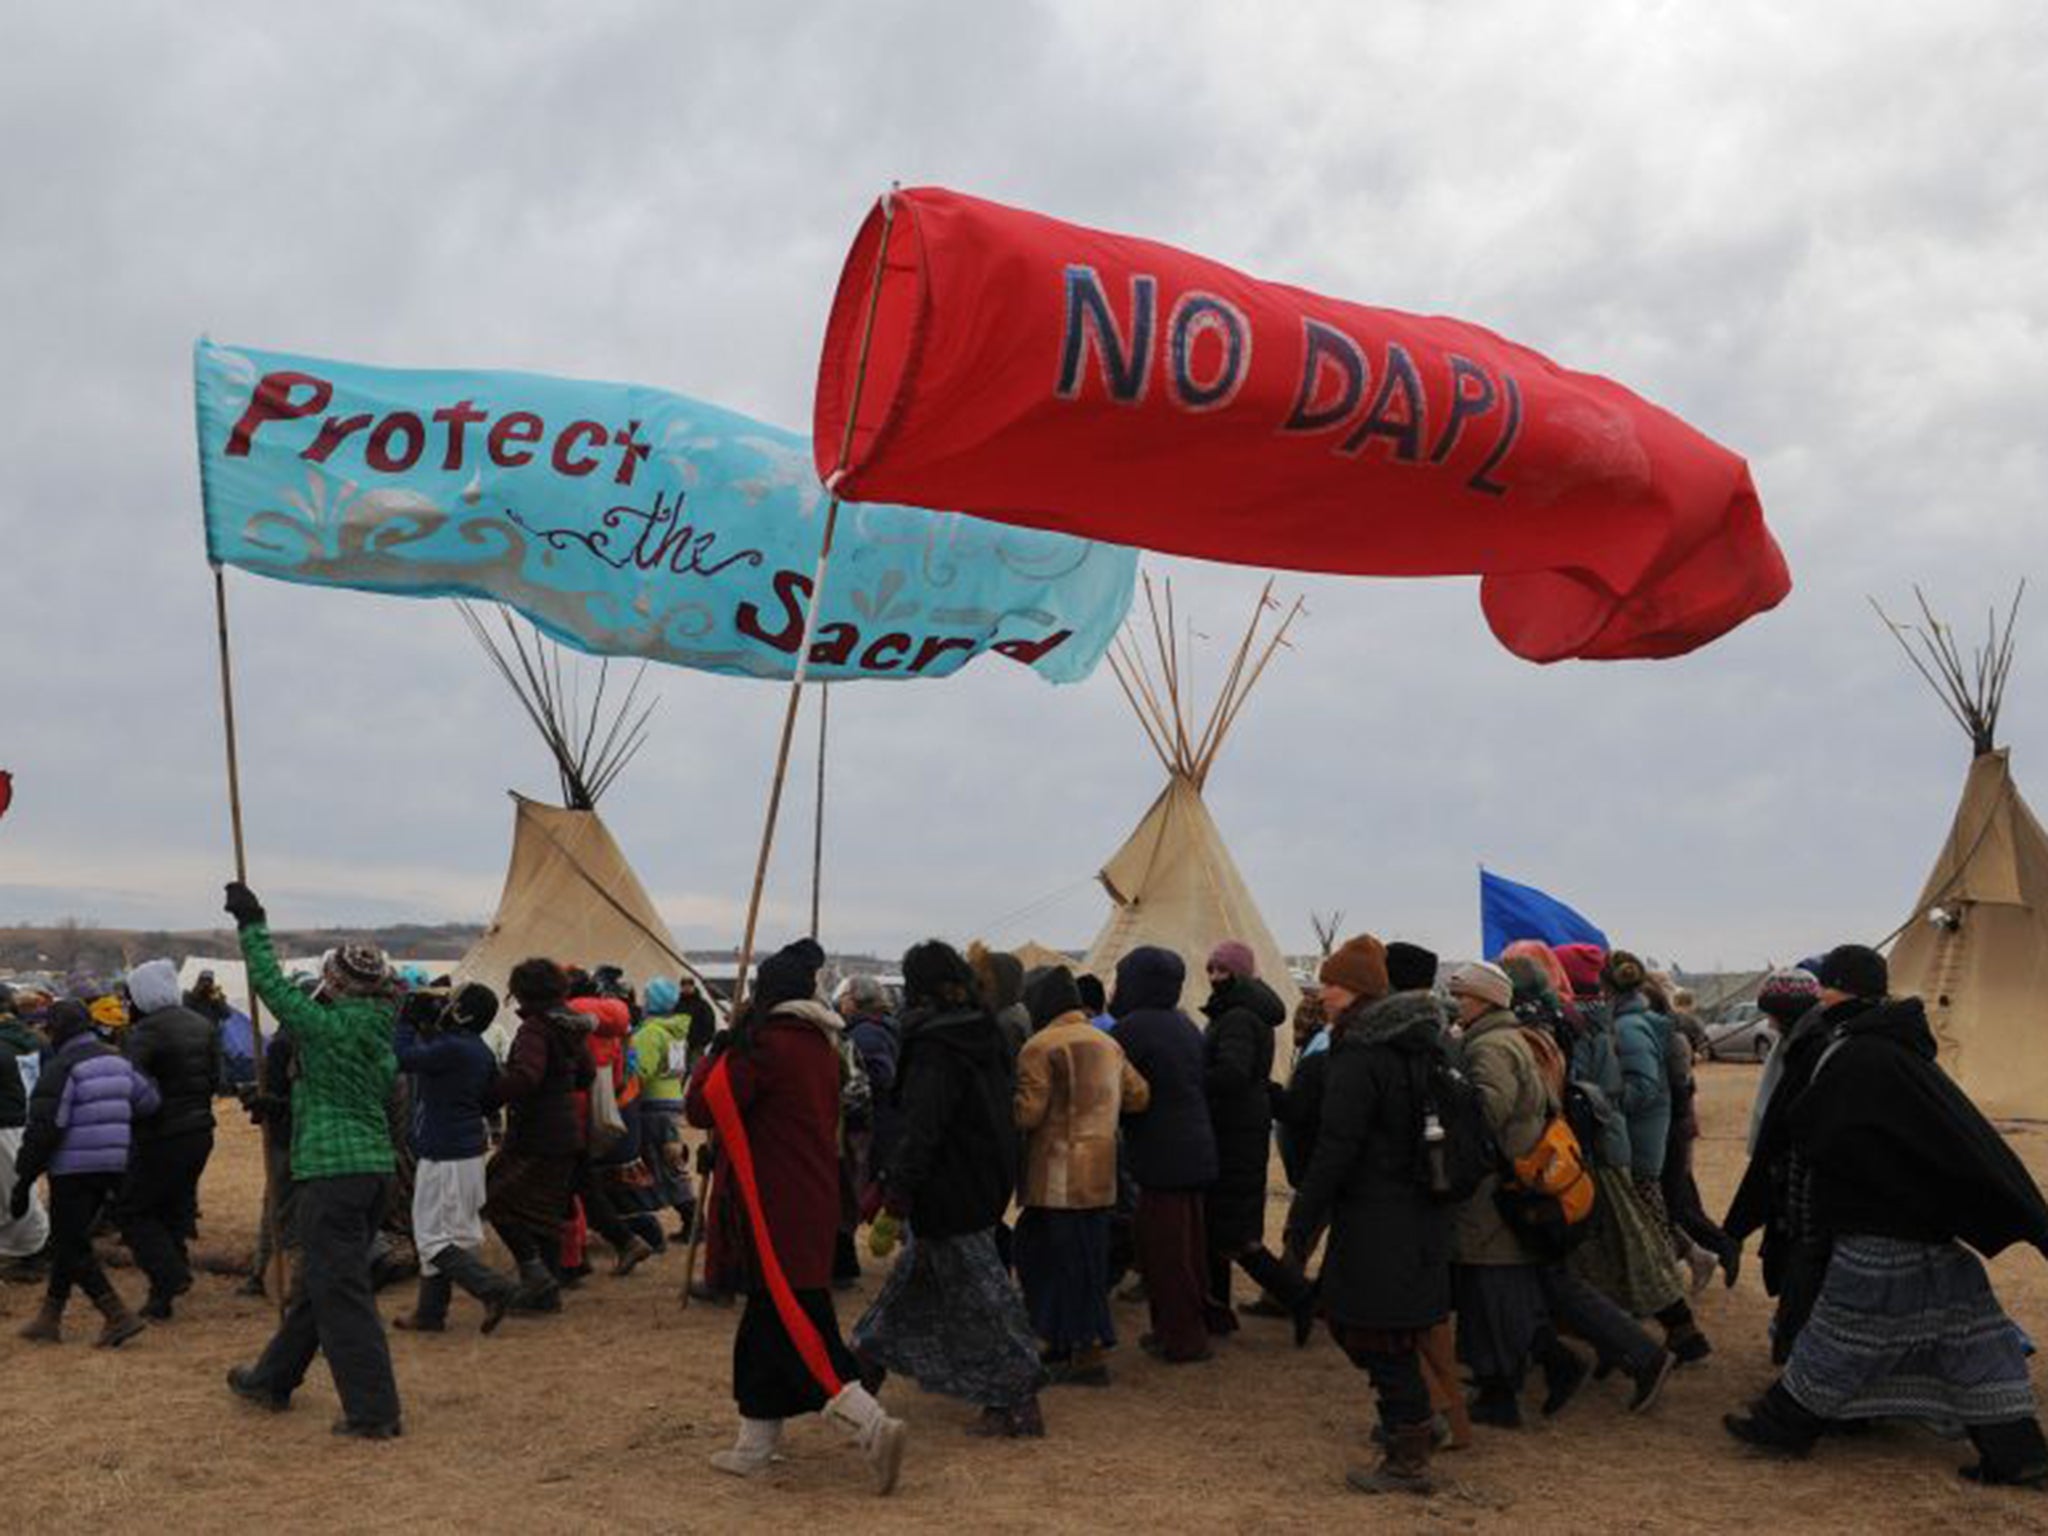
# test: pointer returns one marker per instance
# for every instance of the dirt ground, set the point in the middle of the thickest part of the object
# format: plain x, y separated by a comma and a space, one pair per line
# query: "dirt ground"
600, 1420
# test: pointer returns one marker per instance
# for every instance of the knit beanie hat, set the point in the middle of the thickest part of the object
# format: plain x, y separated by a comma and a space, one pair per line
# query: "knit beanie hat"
662, 996
1532, 983
357, 970
937, 974
1488, 983
1050, 993
1788, 993
1234, 956
474, 1006
790, 975
1358, 965
1582, 963
1623, 973
1410, 967
1856, 969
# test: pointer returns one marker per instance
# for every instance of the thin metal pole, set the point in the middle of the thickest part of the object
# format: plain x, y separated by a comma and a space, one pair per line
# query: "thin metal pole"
796, 691
818, 824
817, 604
279, 1268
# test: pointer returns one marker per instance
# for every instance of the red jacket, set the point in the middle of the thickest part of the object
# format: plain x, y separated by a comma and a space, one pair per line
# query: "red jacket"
786, 1085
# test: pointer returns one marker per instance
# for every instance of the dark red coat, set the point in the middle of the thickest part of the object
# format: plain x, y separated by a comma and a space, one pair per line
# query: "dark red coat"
786, 1084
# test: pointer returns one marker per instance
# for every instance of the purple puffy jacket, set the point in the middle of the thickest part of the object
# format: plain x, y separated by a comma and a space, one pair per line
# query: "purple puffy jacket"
81, 1119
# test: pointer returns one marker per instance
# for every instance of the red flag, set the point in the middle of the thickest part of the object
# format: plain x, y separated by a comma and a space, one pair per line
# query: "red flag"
1036, 372
6, 790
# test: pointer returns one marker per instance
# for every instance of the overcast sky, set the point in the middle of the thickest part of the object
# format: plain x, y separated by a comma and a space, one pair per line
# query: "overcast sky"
1820, 233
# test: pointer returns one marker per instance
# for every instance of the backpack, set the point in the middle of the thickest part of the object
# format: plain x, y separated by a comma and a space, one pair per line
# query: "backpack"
1454, 1148
1547, 1195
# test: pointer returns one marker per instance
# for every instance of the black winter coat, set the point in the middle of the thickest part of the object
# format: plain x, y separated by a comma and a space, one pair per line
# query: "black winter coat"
1898, 1150
16, 1041
1388, 1262
954, 1164
1170, 1146
1237, 1072
179, 1051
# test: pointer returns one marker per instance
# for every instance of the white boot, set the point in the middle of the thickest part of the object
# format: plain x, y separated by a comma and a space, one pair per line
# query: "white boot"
753, 1450
879, 1436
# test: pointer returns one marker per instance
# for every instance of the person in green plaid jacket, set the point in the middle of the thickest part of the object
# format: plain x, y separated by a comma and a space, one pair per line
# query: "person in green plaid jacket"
342, 1162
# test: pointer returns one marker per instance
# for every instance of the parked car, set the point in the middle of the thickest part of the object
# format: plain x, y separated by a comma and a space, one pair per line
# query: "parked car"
1744, 1033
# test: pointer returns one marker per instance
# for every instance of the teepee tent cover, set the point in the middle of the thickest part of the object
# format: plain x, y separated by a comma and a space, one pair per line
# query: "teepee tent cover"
570, 895
1173, 883
1975, 948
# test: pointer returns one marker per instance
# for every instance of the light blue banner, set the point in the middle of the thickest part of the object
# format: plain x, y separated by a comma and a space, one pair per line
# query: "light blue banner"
622, 520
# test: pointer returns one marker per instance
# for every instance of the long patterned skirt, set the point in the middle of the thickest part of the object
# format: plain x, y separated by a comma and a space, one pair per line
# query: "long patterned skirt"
1909, 1330
1627, 1255
949, 1318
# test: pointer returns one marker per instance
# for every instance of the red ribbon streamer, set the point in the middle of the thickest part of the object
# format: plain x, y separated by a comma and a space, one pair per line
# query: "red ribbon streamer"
739, 1157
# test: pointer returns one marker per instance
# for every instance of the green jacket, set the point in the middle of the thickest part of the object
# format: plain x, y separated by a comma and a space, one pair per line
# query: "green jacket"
1517, 1105
651, 1042
344, 1073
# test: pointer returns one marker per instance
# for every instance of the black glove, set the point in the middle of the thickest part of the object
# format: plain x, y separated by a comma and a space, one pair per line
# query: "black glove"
243, 906
17, 1207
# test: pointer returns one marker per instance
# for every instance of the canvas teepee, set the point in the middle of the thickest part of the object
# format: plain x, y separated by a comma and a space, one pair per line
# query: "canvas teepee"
1173, 883
569, 893
1976, 945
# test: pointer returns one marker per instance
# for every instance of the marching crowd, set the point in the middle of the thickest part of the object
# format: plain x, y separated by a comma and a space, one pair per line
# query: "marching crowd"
1491, 1173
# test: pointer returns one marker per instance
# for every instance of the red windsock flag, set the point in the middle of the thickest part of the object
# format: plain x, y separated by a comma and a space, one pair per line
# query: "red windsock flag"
1035, 372
6, 790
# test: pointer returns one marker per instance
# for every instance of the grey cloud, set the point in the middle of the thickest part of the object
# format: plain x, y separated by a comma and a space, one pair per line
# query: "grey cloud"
1820, 233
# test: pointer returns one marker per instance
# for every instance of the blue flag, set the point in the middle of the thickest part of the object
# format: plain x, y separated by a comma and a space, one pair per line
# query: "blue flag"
1509, 911
624, 521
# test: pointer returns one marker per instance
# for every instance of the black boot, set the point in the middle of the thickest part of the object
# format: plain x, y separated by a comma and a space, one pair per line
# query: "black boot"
1564, 1372
478, 1279
2011, 1454
1682, 1335
430, 1310
537, 1291
1776, 1423
1291, 1290
1496, 1403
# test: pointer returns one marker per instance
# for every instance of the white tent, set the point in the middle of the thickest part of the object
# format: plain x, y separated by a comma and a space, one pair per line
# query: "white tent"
570, 895
1173, 883
1975, 948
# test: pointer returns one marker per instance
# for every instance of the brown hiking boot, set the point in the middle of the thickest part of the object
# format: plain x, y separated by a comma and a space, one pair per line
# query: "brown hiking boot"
631, 1257
1404, 1469
47, 1326
120, 1326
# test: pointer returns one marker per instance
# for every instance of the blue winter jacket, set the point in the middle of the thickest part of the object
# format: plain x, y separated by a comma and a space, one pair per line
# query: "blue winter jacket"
1640, 1034
449, 1075
82, 1116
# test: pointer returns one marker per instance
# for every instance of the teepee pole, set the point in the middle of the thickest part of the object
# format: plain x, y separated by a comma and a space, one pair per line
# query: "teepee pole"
1279, 639
1205, 749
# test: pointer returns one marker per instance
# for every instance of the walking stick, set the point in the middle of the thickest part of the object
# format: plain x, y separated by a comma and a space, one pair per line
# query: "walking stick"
267, 1222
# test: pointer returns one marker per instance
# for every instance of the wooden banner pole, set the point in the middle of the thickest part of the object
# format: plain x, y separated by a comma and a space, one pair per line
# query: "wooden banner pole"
279, 1268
